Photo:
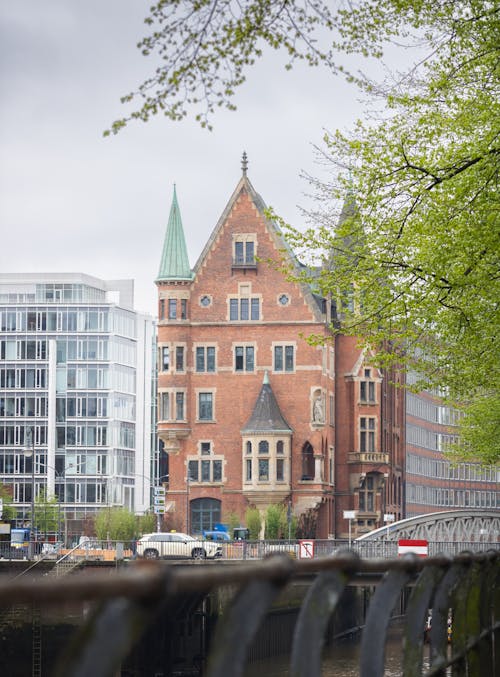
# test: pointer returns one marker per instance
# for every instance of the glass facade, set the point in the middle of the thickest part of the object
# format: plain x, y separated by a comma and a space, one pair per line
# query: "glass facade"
71, 367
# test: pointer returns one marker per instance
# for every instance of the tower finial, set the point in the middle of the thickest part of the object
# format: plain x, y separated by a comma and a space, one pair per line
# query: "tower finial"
244, 163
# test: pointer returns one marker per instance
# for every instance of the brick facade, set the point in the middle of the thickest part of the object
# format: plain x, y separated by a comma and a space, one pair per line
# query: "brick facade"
345, 450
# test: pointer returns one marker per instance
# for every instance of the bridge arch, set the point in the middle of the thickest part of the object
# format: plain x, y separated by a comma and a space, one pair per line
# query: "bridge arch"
446, 526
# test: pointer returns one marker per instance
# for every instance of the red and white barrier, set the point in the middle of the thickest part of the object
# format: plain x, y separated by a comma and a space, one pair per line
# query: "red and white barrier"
418, 547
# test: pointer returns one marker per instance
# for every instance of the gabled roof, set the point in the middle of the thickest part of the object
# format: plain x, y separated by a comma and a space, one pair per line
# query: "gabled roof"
244, 186
174, 264
266, 416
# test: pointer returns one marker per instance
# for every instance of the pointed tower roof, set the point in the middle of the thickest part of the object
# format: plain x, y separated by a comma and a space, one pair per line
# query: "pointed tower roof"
174, 264
349, 208
266, 416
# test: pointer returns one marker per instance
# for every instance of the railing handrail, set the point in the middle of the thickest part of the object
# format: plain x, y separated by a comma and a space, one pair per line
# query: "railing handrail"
134, 596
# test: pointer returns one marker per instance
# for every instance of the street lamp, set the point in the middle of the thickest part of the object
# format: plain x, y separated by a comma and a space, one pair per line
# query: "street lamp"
188, 480
29, 452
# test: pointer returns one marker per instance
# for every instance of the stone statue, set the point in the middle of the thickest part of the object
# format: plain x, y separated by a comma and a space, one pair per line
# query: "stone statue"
318, 413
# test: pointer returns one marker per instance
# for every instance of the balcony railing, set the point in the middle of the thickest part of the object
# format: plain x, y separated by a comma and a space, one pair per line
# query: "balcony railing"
242, 262
368, 457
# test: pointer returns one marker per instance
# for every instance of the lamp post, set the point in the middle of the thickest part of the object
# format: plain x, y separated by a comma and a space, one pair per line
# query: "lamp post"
188, 479
29, 452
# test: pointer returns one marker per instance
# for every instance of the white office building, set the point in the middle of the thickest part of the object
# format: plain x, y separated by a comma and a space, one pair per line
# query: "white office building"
76, 369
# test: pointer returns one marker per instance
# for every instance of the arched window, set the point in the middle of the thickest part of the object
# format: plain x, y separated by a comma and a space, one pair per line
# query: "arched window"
279, 447
307, 462
205, 513
263, 447
249, 447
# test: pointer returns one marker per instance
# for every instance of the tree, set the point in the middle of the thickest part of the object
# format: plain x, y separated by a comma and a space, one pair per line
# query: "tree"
253, 523
117, 524
414, 258
8, 512
47, 513
145, 524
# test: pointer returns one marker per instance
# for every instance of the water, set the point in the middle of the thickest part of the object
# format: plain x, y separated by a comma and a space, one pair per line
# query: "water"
341, 660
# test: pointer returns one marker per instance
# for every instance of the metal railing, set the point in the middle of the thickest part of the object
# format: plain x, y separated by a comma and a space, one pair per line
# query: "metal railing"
465, 586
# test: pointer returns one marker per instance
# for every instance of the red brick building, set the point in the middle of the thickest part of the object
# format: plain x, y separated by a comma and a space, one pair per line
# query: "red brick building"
249, 413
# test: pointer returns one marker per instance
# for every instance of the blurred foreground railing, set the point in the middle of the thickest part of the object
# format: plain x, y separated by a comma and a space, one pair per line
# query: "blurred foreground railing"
132, 598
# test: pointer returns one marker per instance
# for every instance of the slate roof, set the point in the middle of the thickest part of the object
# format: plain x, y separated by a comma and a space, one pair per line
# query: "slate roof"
266, 416
174, 264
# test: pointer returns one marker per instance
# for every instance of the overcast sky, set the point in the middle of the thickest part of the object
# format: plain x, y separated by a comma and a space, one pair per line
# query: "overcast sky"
73, 201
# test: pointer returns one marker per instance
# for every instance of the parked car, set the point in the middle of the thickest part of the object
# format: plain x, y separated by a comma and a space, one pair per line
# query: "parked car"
176, 546
216, 536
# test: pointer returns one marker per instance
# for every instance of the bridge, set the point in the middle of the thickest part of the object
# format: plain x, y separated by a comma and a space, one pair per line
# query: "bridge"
449, 526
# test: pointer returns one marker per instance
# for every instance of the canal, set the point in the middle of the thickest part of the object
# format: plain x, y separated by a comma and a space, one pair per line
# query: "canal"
341, 660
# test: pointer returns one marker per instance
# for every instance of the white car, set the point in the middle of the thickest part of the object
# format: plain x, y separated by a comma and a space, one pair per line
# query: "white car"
176, 546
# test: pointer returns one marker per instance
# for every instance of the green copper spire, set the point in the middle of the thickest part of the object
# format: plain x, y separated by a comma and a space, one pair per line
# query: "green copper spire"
174, 264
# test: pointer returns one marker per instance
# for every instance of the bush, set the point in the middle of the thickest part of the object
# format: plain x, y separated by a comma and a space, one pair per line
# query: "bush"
117, 524
253, 523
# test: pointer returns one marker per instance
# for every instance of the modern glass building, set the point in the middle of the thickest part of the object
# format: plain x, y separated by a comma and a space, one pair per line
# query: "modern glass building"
76, 368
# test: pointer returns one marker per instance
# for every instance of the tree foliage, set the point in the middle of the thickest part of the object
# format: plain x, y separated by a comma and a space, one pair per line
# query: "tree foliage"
47, 513
8, 511
415, 257
117, 524
205, 48
253, 523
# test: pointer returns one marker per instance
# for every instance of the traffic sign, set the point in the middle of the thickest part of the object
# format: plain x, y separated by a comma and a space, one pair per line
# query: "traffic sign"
159, 500
159, 491
306, 549
159, 509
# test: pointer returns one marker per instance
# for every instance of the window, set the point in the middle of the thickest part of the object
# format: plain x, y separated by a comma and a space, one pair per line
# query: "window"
205, 448
165, 358
172, 309
179, 358
367, 495
366, 434
164, 407
162, 309
244, 309
248, 447
244, 252
263, 470
284, 358
367, 389
244, 358
205, 406
205, 513
179, 406
263, 447
244, 249
307, 462
183, 309
248, 470
205, 358
205, 468
280, 470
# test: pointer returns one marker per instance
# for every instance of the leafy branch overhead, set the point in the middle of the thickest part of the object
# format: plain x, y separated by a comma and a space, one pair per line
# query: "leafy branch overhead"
204, 49
415, 258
